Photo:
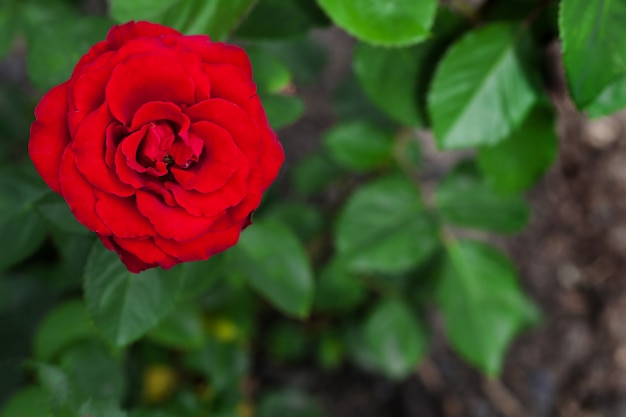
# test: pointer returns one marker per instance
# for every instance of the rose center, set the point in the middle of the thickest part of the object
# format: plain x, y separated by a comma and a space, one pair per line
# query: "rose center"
161, 149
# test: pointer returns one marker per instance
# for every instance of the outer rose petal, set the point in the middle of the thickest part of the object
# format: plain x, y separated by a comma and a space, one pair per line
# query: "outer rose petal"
49, 135
271, 158
95, 52
201, 248
218, 52
89, 145
86, 95
132, 262
232, 84
120, 34
122, 217
239, 213
79, 194
172, 222
147, 251
144, 78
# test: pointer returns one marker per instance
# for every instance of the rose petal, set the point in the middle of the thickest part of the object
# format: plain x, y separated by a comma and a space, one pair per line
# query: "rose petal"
90, 59
271, 157
147, 251
216, 202
128, 168
171, 222
159, 110
201, 248
49, 135
144, 78
121, 216
132, 262
216, 164
126, 165
252, 201
218, 52
157, 188
86, 95
79, 194
155, 145
120, 34
232, 84
233, 119
89, 146
113, 134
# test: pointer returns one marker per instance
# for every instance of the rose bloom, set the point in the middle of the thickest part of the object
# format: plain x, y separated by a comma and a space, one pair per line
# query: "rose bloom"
159, 144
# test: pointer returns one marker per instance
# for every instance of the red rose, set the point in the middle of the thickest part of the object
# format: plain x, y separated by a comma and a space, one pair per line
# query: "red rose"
159, 143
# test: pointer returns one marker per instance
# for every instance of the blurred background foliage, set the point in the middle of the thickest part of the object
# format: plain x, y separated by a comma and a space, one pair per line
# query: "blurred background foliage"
353, 250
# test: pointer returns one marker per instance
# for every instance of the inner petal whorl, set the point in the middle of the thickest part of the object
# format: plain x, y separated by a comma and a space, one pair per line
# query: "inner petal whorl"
156, 143
158, 148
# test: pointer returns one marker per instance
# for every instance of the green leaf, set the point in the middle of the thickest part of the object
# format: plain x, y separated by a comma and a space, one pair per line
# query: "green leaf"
37, 13
124, 306
481, 91
181, 329
383, 22
271, 19
396, 337
482, 304
28, 231
594, 48
20, 188
611, 99
270, 74
93, 373
101, 408
463, 198
384, 227
63, 326
351, 103
29, 402
304, 57
56, 211
282, 110
74, 250
289, 402
389, 77
57, 46
214, 18
314, 173
224, 364
359, 145
197, 277
62, 398
274, 262
306, 221
516, 163
338, 289
124, 11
